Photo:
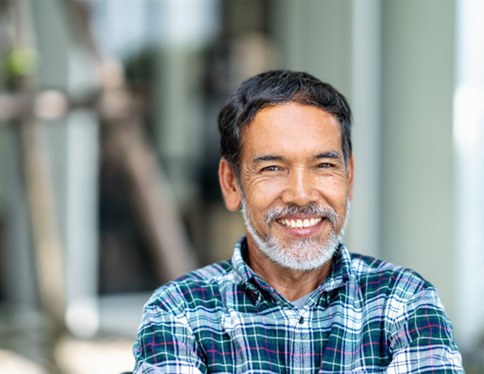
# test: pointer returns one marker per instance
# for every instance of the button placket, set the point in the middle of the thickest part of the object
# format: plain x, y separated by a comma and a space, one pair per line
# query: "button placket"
302, 316
302, 335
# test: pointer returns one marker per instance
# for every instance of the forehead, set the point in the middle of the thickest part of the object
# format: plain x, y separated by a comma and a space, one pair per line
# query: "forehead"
292, 127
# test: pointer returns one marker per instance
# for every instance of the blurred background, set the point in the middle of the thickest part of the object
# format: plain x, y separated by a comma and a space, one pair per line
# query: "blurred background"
109, 150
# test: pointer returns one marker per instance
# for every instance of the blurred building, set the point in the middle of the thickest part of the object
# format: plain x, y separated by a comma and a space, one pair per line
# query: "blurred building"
109, 147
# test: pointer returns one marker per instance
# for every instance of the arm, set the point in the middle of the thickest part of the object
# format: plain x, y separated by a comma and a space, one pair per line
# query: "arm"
166, 344
421, 337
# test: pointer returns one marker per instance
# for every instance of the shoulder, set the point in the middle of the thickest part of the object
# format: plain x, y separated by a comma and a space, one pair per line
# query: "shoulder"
399, 292
375, 276
203, 285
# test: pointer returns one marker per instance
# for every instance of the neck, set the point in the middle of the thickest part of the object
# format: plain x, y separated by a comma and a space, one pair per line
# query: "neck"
292, 284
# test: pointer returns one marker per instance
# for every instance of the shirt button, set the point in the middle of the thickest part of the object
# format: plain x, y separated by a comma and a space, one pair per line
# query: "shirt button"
301, 320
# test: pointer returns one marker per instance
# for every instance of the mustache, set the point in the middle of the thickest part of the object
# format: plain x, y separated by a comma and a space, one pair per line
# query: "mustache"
310, 210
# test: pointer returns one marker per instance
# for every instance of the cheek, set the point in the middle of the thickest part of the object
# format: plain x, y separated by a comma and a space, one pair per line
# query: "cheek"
331, 185
339, 201
262, 193
335, 194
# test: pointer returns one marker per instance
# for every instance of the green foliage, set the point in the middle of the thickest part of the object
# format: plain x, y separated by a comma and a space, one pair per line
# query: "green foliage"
17, 65
20, 63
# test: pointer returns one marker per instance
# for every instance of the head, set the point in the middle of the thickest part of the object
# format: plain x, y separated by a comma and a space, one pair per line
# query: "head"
286, 161
272, 88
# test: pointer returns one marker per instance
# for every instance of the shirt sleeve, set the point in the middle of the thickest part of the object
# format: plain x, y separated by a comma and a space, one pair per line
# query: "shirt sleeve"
421, 338
166, 344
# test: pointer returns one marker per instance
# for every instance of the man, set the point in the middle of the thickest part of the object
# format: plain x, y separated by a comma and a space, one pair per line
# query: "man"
293, 299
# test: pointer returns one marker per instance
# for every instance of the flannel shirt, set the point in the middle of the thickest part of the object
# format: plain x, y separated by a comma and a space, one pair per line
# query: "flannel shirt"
367, 316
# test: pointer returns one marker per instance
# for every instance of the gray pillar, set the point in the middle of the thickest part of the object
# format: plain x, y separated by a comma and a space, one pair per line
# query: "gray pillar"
18, 267
185, 26
469, 176
315, 36
73, 149
417, 225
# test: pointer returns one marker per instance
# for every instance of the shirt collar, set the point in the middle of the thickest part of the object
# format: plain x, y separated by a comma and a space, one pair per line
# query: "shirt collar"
340, 273
238, 261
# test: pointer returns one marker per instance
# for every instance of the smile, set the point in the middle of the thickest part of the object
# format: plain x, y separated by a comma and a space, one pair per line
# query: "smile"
300, 223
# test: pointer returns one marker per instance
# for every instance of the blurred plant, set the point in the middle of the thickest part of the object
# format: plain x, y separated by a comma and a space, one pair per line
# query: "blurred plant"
17, 65
20, 62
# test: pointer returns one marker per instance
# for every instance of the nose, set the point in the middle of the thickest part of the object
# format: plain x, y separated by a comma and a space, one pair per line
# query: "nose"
300, 188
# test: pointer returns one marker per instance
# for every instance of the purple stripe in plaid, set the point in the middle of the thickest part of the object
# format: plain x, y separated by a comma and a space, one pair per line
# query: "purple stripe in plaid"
368, 316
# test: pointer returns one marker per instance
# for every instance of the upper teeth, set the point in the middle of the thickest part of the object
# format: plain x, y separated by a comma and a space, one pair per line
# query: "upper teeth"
300, 223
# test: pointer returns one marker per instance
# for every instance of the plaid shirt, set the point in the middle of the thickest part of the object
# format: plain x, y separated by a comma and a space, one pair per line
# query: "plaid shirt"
367, 316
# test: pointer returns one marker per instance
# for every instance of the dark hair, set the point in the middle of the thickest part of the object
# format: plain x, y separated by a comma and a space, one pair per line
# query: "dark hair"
272, 88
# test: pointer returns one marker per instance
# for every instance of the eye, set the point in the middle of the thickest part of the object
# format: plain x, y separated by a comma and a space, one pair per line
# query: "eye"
270, 168
325, 165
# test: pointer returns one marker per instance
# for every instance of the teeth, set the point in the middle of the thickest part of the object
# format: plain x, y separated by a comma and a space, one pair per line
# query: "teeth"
300, 223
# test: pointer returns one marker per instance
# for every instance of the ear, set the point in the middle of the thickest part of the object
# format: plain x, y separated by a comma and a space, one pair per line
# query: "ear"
350, 176
229, 185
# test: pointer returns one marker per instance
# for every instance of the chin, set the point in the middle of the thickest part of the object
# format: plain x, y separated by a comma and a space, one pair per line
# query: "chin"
289, 256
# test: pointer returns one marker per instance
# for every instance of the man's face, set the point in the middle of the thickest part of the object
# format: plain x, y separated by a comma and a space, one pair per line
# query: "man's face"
295, 186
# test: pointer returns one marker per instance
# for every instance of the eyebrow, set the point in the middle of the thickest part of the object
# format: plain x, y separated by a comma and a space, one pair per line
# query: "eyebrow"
329, 154
264, 158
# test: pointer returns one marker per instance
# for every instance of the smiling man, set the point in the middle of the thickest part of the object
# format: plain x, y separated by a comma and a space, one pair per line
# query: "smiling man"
293, 299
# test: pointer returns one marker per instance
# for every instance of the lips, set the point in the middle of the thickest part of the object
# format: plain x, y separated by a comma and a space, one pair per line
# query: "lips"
299, 223
296, 220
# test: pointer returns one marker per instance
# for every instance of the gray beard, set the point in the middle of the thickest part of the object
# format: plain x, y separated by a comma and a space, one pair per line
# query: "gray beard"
300, 254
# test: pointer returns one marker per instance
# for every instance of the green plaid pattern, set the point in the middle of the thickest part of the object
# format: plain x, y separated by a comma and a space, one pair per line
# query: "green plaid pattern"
368, 316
